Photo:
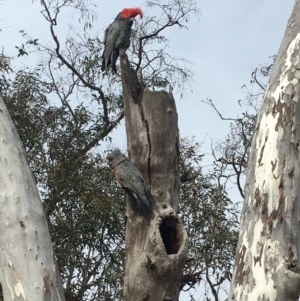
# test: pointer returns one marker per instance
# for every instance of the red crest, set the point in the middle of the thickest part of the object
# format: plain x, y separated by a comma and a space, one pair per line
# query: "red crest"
128, 13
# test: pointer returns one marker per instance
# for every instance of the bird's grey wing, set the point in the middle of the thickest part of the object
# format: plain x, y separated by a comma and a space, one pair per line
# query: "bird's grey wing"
105, 58
133, 182
145, 202
110, 38
123, 40
105, 34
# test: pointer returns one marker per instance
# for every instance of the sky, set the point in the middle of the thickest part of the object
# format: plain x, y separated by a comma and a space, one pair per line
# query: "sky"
225, 44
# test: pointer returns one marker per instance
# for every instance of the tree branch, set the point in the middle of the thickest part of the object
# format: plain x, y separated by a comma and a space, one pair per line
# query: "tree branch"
53, 22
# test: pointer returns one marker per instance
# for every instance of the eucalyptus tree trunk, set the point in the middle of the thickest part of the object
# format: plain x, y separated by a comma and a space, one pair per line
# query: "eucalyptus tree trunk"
156, 248
28, 270
267, 263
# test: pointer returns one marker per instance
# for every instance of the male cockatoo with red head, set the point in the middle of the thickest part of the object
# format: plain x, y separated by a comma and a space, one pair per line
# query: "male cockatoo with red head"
117, 35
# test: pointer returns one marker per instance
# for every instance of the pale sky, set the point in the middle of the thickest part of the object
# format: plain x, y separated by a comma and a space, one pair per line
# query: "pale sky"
225, 45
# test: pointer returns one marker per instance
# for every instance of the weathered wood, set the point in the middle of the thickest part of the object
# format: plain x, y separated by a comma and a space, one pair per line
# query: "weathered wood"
28, 270
156, 249
267, 263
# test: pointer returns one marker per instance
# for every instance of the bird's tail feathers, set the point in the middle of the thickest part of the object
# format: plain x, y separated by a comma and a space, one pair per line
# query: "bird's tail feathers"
103, 67
142, 204
113, 60
145, 206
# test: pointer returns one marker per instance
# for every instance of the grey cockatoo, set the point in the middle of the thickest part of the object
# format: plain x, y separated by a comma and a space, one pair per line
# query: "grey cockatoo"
130, 178
117, 35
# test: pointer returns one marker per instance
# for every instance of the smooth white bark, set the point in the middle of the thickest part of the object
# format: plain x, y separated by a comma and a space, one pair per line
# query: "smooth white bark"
267, 261
28, 270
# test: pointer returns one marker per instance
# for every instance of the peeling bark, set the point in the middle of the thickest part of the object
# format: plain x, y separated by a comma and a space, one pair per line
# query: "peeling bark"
267, 265
28, 270
156, 249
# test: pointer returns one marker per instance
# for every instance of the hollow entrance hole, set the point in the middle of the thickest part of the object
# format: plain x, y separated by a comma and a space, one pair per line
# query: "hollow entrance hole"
170, 234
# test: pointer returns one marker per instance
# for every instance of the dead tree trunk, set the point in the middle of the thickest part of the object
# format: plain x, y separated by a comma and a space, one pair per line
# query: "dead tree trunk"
156, 250
267, 265
28, 270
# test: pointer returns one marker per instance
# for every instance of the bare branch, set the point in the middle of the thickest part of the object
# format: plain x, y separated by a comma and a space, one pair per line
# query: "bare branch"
53, 22
210, 103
